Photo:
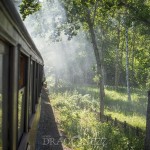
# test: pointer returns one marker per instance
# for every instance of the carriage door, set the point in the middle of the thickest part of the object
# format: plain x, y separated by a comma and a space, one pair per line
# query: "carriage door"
22, 94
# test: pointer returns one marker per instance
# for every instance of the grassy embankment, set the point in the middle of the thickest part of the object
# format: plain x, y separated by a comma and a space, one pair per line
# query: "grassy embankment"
117, 105
72, 108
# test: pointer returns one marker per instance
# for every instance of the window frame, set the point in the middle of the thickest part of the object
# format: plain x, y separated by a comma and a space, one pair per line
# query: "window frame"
5, 91
23, 87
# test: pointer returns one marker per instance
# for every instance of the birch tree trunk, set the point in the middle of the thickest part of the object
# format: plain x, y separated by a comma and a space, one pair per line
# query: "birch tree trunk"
98, 56
117, 60
127, 65
102, 58
132, 55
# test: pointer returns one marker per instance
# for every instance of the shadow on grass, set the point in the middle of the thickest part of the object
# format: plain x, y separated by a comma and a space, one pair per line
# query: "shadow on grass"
115, 104
137, 106
126, 107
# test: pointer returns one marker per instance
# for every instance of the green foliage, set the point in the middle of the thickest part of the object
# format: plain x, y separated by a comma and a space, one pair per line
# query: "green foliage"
116, 103
138, 10
28, 7
83, 130
107, 16
96, 79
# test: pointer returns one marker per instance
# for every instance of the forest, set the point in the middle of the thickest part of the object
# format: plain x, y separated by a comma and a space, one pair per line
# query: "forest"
97, 68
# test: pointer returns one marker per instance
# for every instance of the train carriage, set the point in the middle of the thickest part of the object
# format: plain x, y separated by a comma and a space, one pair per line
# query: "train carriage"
21, 74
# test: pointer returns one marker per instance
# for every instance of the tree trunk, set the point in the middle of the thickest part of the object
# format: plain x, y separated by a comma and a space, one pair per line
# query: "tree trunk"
132, 65
98, 56
102, 59
127, 65
147, 138
117, 61
132, 57
122, 45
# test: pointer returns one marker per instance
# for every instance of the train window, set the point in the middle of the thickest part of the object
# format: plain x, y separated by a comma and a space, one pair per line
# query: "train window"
1, 68
34, 85
23, 61
37, 81
22, 94
31, 90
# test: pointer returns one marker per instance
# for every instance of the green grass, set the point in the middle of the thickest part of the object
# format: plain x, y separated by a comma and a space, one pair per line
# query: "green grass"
73, 115
116, 103
134, 112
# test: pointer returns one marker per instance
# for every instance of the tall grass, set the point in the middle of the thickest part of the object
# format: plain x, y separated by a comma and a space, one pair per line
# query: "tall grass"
81, 128
116, 103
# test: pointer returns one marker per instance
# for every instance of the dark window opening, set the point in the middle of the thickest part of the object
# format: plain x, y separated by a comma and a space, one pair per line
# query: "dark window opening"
31, 90
22, 94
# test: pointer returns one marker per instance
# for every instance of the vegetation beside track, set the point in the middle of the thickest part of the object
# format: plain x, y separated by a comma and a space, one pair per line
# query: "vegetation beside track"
81, 127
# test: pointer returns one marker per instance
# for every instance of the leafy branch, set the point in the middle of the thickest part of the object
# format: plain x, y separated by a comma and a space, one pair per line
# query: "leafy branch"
28, 7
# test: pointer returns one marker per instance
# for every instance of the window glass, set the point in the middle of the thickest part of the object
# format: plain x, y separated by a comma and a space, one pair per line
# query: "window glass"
1, 96
34, 85
37, 72
22, 71
21, 95
21, 104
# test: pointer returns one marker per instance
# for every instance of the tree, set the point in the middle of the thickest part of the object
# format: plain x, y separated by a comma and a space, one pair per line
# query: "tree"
89, 15
28, 7
117, 57
139, 10
83, 14
98, 56
127, 64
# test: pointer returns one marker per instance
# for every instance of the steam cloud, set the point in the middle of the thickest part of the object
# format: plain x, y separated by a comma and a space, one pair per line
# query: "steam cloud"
64, 58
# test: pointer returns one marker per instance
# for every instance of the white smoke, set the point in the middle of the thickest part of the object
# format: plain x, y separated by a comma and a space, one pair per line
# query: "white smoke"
62, 57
